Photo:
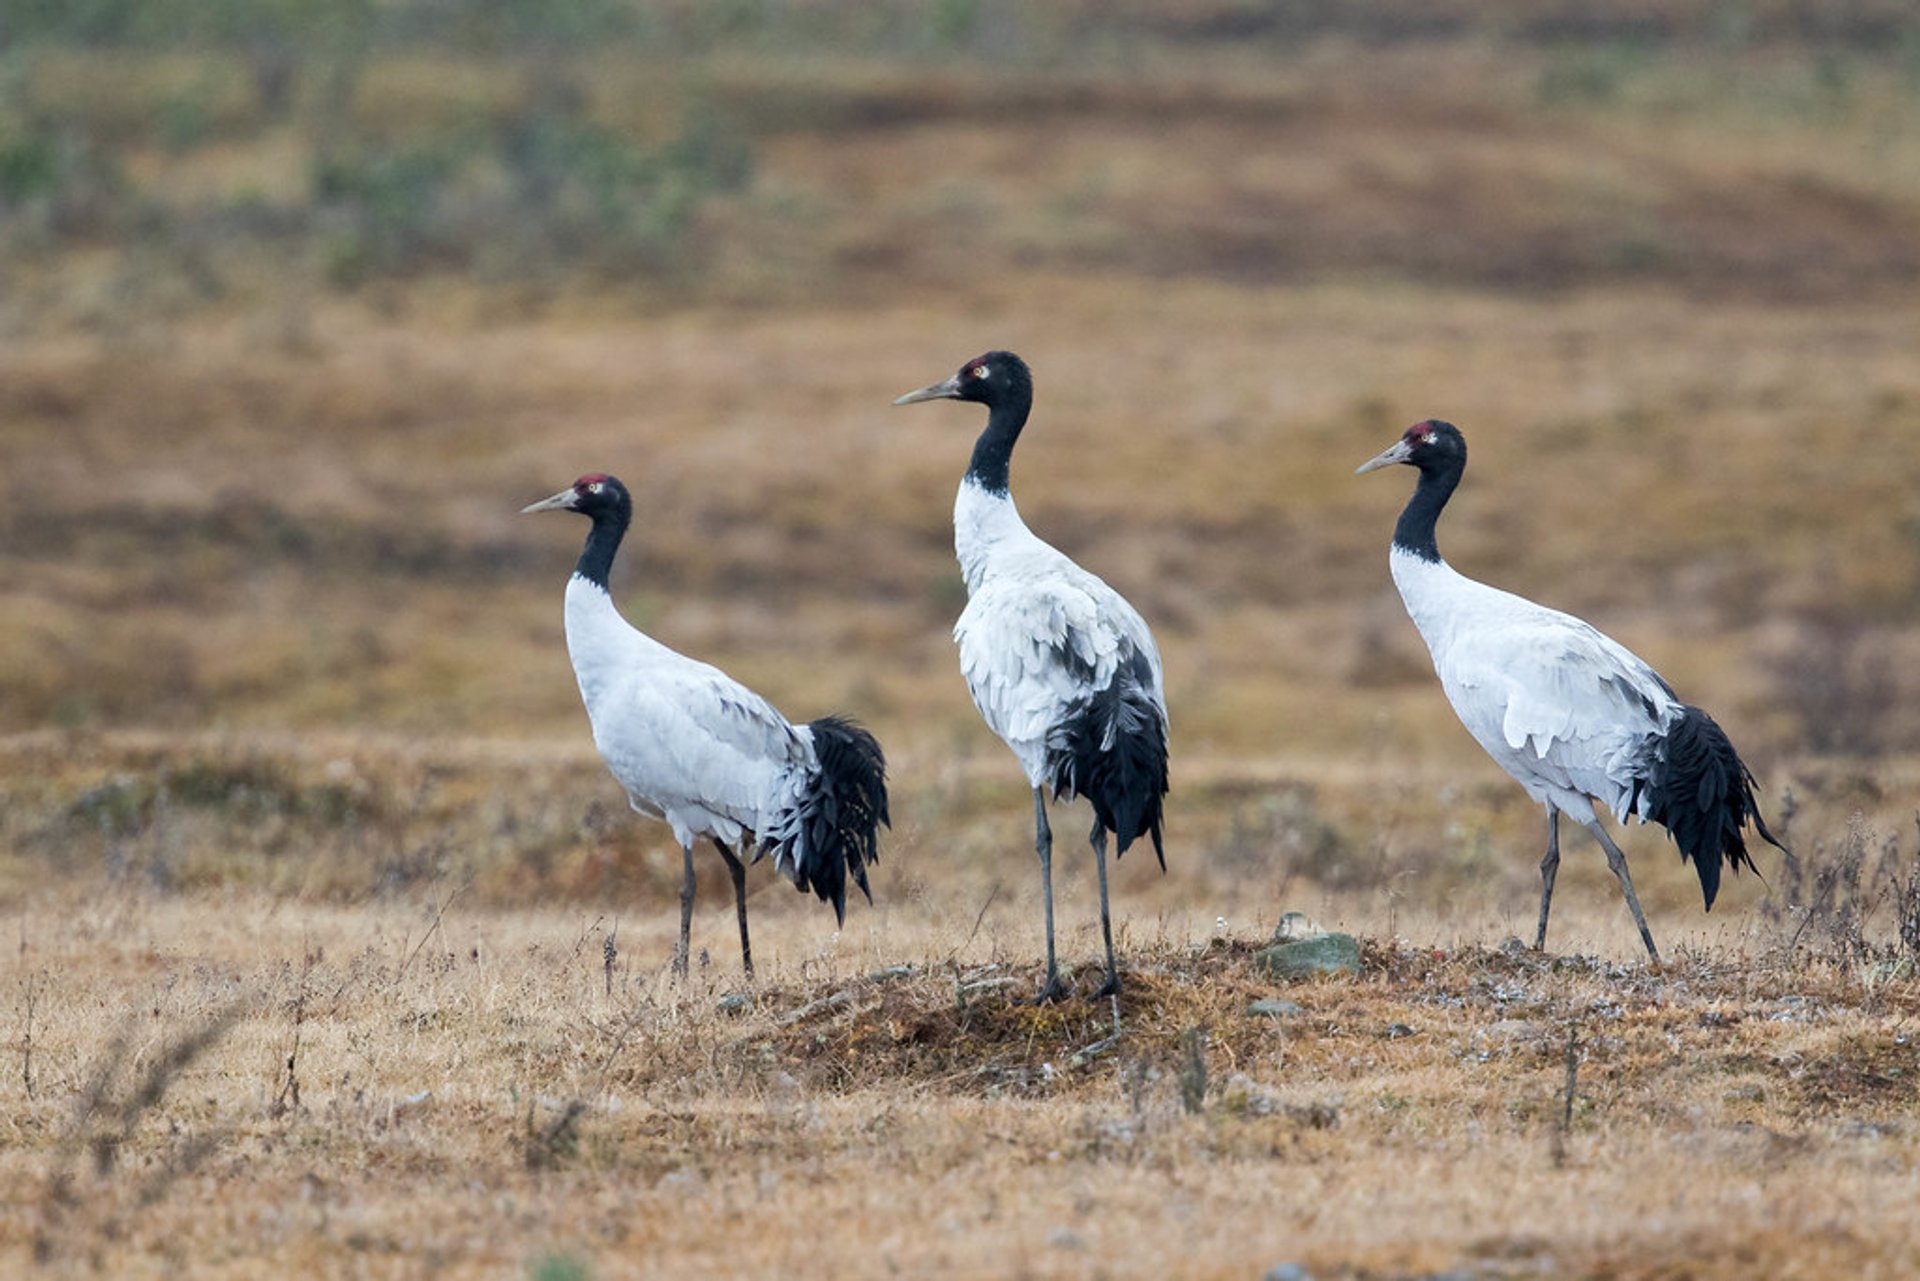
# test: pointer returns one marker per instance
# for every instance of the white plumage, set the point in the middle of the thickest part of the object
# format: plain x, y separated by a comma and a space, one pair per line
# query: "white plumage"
1062, 668
688, 743
1039, 633
1564, 709
697, 749
1574, 716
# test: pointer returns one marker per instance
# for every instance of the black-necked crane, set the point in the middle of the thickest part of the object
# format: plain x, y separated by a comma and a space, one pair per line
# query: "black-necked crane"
1571, 714
1062, 668
707, 755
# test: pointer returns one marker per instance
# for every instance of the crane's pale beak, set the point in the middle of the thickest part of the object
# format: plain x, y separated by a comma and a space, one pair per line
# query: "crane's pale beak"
562, 501
948, 390
1398, 452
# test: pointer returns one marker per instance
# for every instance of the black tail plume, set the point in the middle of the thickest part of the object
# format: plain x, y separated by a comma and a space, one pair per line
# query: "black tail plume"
1111, 748
1702, 793
842, 812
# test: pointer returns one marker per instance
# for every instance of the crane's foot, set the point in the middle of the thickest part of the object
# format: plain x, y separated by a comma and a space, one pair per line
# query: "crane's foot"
1053, 990
1110, 988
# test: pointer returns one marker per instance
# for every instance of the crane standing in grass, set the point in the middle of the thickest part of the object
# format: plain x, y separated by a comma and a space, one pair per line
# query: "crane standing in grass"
1063, 669
1573, 715
696, 748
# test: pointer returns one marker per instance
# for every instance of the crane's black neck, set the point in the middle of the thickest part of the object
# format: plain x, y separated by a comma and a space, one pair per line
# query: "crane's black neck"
596, 558
994, 450
1414, 532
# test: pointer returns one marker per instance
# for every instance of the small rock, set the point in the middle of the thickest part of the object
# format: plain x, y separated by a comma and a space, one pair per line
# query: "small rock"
1272, 1009
1066, 1239
1295, 925
1239, 1096
889, 973
1287, 1272
1324, 954
733, 1003
1397, 1030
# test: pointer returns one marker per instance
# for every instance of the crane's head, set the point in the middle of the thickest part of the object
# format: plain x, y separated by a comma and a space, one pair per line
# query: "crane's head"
594, 494
986, 380
1431, 446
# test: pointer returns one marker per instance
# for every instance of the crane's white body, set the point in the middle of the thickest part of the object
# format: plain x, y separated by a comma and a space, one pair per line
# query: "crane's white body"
1039, 633
690, 744
1570, 713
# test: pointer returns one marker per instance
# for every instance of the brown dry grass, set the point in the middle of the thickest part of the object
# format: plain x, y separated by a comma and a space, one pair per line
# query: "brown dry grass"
292, 753
467, 1094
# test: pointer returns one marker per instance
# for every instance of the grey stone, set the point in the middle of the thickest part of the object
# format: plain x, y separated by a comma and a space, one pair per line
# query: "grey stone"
733, 1003
1323, 954
1296, 925
1275, 1009
1287, 1272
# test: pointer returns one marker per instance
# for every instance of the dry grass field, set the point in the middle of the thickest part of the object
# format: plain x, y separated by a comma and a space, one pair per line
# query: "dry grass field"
333, 949
397, 1092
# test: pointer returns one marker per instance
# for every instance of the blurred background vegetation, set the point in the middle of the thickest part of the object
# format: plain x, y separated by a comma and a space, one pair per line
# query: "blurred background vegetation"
301, 301
175, 155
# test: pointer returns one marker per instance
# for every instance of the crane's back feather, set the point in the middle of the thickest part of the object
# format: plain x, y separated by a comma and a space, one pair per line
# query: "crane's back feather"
1700, 790
834, 829
1062, 668
1111, 747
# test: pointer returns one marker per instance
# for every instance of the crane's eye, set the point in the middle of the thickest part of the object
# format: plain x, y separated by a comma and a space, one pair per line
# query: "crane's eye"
595, 487
979, 371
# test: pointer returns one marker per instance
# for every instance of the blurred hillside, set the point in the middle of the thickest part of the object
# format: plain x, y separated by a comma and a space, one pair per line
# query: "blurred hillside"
171, 156
304, 301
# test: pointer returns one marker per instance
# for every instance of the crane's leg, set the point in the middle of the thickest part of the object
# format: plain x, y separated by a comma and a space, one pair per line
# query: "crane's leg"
1043, 846
1549, 868
1618, 862
738, 871
1098, 838
686, 912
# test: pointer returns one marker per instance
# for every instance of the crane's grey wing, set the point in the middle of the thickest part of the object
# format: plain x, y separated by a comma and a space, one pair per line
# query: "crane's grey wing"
1568, 682
1031, 647
692, 738
1548, 682
1558, 704
1135, 637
